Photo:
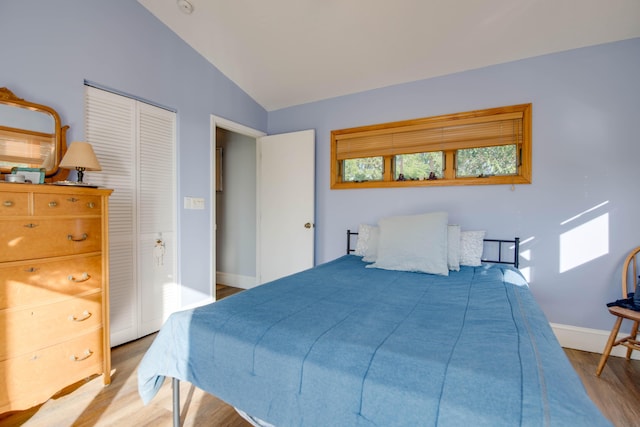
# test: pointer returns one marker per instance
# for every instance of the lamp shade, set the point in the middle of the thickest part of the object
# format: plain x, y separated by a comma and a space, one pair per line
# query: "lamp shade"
80, 155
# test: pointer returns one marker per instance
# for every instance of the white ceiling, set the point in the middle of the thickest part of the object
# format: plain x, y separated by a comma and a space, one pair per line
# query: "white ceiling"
290, 52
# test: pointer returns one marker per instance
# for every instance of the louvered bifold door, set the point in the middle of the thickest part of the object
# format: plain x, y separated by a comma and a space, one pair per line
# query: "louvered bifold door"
158, 292
110, 127
135, 144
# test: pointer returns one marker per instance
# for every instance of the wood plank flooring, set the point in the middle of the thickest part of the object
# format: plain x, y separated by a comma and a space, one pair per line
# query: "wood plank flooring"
616, 392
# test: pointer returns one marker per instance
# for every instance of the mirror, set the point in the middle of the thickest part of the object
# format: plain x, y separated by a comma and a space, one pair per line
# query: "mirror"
30, 135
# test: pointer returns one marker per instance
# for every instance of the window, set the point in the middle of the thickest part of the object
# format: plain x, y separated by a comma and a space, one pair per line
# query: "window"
363, 169
473, 148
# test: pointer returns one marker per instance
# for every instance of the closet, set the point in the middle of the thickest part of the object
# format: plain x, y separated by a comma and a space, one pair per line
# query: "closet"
135, 144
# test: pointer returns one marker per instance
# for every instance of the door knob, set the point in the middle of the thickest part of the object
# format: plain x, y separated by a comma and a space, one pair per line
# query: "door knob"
308, 225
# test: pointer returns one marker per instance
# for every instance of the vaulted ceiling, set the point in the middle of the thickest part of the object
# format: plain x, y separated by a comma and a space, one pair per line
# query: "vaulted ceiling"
290, 52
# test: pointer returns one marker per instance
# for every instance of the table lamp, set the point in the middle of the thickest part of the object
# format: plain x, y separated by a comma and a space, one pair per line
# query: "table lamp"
80, 156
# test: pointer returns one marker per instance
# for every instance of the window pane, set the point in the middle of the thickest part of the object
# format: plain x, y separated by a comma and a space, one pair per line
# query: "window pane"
419, 166
364, 169
487, 161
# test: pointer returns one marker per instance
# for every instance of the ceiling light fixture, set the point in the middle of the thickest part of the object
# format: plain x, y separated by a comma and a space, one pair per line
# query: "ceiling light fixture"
185, 6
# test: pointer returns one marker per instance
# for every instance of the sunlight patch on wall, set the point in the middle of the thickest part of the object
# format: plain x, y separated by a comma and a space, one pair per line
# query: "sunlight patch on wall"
526, 254
584, 243
584, 213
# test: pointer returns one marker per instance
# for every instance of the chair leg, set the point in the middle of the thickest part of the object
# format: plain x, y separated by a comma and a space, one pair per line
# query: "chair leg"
607, 349
633, 335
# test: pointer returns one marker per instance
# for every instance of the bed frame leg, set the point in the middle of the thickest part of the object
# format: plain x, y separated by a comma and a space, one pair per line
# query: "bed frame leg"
175, 384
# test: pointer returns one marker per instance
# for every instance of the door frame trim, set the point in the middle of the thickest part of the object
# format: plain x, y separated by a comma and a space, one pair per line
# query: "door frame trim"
220, 122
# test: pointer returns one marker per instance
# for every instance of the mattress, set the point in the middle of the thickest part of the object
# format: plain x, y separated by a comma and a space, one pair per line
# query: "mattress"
345, 345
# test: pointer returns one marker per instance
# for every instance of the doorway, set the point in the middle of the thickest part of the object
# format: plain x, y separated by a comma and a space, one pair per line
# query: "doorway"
234, 207
284, 209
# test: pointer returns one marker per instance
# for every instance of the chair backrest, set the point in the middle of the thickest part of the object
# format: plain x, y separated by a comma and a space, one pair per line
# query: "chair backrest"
630, 286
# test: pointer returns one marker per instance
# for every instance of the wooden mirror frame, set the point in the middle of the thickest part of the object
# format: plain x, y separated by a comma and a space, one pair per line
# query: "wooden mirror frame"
59, 132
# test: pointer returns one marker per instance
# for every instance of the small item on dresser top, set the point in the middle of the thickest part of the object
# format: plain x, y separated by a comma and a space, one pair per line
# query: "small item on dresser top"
30, 175
15, 178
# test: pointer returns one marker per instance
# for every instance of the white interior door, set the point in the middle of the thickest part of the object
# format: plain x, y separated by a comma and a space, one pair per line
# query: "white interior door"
286, 192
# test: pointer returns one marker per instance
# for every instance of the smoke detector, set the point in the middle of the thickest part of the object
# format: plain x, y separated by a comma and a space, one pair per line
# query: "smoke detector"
185, 6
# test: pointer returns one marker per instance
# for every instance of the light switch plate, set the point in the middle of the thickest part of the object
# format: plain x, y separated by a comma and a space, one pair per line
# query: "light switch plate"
194, 203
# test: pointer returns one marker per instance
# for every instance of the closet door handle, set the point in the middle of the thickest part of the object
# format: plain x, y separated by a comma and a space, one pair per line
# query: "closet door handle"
308, 225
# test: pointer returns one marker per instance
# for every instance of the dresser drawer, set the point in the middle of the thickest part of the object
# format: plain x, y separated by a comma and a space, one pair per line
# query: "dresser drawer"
32, 378
67, 204
12, 204
41, 326
32, 283
40, 238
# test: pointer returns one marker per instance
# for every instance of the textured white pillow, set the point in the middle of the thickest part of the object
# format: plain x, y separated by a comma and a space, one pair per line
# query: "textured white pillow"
367, 245
453, 247
413, 243
471, 247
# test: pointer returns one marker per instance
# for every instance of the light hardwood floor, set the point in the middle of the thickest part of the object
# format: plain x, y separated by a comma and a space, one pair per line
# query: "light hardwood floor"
616, 392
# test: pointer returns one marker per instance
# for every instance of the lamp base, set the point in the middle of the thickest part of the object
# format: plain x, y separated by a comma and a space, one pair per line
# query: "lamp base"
75, 184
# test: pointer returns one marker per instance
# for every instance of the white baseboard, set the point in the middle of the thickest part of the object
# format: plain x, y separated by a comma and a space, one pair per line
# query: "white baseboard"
235, 280
586, 339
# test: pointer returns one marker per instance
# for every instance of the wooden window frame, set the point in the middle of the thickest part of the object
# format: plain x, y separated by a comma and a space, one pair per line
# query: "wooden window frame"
421, 135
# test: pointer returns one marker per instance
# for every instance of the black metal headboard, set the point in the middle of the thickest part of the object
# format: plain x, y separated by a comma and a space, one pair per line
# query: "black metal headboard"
497, 258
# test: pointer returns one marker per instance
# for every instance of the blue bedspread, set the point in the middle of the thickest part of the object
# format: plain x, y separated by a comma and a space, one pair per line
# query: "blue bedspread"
345, 345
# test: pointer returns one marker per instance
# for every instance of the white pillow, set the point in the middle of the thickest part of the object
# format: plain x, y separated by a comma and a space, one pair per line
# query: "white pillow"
367, 245
413, 243
471, 246
453, 247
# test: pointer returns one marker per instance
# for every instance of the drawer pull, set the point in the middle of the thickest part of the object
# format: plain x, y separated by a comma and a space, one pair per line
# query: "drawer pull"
91, 205
53, 204
31, 225
85, 315
7, 203
85, 276
31, 270
80, 239
72, 199
85, 355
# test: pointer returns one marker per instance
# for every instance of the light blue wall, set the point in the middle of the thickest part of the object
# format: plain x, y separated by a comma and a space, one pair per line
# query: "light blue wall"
585, 147
47, 50
586, 169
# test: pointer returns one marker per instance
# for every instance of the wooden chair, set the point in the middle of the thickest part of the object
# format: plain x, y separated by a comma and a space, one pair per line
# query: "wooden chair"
624, 313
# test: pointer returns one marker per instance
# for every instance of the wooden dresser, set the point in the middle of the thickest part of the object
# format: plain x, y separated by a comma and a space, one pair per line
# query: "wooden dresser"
54, 293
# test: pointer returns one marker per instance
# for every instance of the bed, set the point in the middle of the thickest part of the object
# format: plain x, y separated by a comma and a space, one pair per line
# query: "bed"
344, 344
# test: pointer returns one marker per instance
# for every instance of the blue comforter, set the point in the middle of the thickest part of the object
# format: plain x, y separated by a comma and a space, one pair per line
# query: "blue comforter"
345, 345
